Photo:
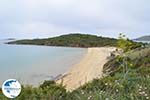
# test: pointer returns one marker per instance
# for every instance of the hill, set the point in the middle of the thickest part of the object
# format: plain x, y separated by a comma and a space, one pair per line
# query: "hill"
71, 40
143, 38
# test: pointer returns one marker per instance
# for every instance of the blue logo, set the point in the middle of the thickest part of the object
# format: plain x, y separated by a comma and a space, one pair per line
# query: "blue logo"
11, 88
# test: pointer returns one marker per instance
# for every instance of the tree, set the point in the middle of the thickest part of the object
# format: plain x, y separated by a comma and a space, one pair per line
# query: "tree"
124, 43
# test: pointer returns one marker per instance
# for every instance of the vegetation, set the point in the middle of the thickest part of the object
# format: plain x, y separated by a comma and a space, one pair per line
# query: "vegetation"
125, 44
127, 77
46, 91
71, 40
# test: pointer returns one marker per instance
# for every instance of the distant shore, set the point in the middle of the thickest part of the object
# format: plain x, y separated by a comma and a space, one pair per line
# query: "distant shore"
89, 68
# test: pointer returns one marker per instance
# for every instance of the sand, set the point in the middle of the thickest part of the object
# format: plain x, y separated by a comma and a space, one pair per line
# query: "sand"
89, 68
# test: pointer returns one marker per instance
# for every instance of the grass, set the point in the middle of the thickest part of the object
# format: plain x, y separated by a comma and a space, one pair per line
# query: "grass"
127, 78
117, 87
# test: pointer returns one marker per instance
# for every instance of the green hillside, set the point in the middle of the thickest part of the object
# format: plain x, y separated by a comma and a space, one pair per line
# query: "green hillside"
71, 40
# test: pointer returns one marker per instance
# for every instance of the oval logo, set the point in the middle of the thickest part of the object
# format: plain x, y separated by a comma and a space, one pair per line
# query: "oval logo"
11, 88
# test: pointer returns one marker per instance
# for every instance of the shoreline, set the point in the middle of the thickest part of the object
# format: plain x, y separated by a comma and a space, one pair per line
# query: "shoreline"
90, 67
45, 46
45, 60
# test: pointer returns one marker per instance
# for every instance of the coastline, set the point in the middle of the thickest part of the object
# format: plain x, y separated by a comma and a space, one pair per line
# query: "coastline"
43, 62
6, 43
90, 67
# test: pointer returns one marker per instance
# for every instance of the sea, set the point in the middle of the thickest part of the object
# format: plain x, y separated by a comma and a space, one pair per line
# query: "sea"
31, 64
142, 41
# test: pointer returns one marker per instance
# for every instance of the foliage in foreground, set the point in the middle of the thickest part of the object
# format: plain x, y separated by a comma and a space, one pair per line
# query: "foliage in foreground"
46, 91
129, 79
126, 45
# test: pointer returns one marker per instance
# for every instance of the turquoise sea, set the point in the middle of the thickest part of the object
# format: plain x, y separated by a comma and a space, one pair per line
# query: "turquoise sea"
33, 64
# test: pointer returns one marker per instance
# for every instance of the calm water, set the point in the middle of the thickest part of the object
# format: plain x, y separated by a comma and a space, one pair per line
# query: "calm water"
33, 64
144, 41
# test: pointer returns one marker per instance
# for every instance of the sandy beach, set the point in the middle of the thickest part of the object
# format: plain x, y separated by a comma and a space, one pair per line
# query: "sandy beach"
89, 68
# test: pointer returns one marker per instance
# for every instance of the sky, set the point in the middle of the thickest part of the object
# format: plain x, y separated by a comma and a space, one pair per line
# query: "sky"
48, 18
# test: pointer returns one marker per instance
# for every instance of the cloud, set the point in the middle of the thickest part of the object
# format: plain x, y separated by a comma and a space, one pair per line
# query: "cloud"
53, 17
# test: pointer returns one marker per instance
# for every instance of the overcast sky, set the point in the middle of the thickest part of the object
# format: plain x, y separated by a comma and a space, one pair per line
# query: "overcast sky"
46, 18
